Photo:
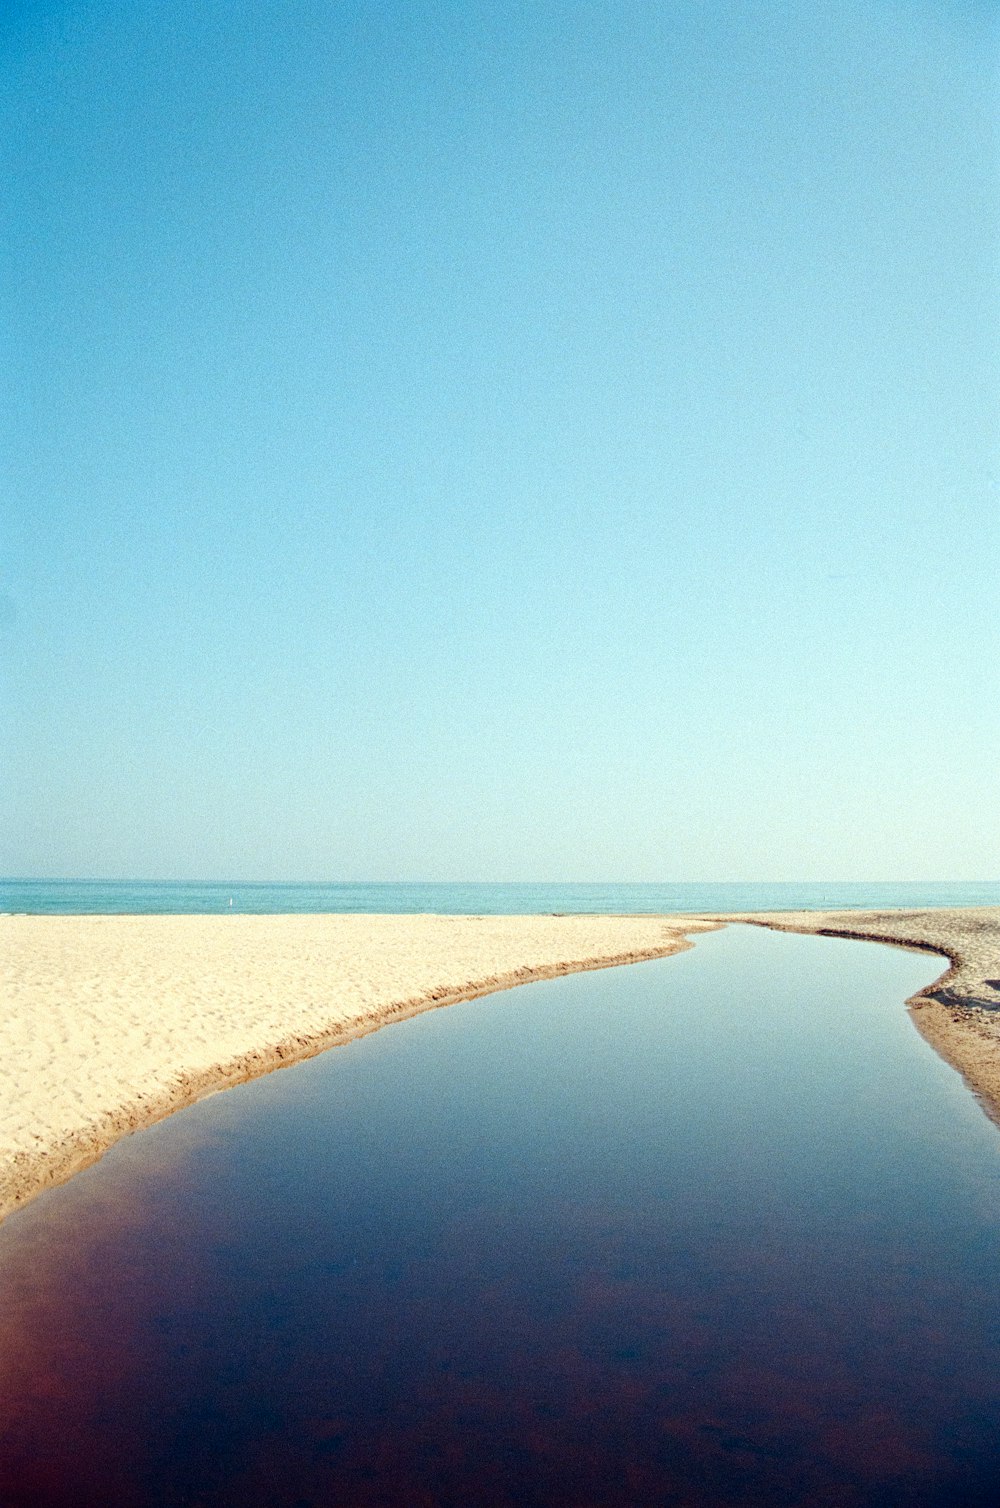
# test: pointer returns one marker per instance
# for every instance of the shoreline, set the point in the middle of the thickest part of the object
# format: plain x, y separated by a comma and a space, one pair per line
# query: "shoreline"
114, 1022
191, 1014
957, 1014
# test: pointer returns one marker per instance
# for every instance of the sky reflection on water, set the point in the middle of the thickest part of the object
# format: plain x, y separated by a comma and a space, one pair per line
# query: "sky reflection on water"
718, 1229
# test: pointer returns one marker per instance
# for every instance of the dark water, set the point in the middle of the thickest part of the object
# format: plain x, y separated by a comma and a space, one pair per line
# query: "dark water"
149, 897
714, 1230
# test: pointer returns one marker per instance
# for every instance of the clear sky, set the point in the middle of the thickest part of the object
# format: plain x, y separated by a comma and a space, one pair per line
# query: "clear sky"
465, 440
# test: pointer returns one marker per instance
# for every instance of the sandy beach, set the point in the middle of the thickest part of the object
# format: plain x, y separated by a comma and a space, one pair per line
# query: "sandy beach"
112, 1022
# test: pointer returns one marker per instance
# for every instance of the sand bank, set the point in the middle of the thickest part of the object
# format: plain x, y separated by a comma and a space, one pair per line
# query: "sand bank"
111, 1022
959, 1013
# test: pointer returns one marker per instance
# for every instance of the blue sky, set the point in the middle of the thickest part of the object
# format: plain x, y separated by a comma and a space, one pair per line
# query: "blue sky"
455, 440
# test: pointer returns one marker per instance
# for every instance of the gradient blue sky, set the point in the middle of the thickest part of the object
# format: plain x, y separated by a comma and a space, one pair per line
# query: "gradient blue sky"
501, 441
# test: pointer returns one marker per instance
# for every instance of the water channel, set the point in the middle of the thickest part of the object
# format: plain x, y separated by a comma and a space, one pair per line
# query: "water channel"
714, 1230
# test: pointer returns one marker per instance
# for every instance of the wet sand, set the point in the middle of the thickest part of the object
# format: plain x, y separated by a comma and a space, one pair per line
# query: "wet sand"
110, 1023
958, 1013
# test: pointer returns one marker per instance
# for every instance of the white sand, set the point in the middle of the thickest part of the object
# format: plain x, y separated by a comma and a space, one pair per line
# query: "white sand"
111, 1022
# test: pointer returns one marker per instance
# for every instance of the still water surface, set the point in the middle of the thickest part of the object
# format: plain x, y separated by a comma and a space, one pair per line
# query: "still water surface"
719, 1229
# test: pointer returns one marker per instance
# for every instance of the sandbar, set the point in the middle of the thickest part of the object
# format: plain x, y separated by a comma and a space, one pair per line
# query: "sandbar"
110, 1023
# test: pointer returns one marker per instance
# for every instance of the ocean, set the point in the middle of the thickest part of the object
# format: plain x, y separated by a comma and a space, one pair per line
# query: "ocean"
145, 897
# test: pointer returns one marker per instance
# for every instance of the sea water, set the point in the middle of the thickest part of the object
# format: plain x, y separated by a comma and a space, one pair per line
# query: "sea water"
49, 897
